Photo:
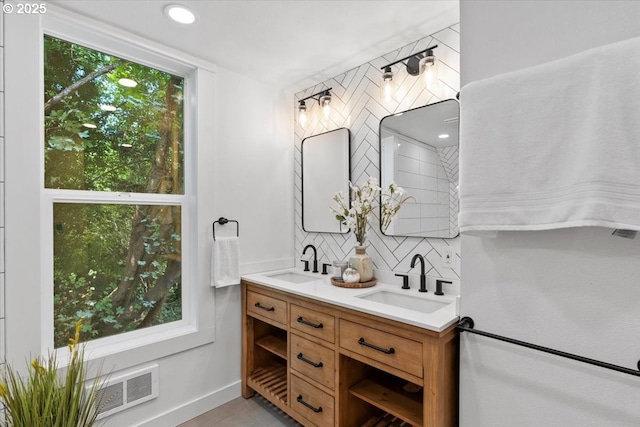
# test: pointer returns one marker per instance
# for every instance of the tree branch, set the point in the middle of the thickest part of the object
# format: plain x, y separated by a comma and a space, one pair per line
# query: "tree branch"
86, 79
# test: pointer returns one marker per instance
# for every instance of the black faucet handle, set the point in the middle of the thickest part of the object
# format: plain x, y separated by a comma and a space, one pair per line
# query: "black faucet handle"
405, 280
306, 264
324, 268
439, 284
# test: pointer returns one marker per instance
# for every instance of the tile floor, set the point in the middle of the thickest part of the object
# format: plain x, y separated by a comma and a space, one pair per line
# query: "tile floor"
240, 412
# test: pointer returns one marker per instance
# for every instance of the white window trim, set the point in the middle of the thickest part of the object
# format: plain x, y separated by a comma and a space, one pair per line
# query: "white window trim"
132, 348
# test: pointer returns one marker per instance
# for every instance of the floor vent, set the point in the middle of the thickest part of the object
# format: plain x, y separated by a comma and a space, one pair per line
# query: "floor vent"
126, 390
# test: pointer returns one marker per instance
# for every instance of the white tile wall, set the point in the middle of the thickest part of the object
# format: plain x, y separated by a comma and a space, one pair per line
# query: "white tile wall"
2, 255
1, 204
1, 293
2, 225
428, 212
1, 149
2, 26
448, 158
357, 106
2, 343
2, 115
1, 67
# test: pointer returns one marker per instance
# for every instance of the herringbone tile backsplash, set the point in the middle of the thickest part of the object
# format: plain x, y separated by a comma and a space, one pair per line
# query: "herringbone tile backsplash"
356, 105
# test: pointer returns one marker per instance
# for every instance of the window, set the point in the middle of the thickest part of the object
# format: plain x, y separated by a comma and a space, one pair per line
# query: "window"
114, 181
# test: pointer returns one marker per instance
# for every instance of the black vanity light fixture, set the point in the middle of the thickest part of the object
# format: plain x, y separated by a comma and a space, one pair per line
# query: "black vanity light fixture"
423, 62
324, 100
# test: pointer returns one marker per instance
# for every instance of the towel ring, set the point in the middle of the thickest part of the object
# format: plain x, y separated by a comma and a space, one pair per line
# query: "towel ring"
222, 221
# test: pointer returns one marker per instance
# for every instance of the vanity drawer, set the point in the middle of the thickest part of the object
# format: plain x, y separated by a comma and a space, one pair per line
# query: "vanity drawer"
311, 402
312, 322
267, 307
313, 361
398, 352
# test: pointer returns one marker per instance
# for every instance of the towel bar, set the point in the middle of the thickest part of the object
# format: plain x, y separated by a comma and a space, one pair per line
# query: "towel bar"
466, 324
222, 221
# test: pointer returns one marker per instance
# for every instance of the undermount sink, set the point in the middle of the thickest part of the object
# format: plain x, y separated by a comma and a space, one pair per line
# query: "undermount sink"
292, 277
411, 302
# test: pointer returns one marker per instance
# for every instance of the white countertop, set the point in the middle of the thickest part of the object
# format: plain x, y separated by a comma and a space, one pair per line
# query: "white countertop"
321, 289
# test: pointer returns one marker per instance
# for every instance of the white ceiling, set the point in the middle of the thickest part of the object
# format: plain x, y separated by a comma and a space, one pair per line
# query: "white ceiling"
290, 44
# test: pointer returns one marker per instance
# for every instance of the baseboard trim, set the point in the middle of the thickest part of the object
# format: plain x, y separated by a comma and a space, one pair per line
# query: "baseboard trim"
194, 408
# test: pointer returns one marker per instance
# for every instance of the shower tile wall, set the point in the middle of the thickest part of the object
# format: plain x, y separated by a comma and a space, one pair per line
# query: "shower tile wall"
356, 105
449, 160
421, 173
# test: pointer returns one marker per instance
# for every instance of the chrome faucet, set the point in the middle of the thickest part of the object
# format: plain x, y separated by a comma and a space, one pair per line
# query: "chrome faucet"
315, 258
423, 277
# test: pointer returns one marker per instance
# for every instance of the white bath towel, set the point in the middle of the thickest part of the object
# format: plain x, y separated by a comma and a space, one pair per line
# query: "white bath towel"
225, 262
553, 146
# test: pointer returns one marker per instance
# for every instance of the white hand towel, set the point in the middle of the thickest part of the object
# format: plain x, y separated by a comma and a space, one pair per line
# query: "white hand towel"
225, 262
555, 145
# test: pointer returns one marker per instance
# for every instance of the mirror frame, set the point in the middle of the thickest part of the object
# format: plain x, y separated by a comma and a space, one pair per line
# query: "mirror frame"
346, 183
380, 165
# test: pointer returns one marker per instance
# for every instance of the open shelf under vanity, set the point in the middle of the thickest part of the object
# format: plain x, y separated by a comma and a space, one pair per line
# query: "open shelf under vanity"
385, 420
390, 397
274, 344
271, 382
378, 398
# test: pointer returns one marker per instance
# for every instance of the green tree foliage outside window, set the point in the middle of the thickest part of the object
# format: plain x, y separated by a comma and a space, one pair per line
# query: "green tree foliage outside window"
116, 265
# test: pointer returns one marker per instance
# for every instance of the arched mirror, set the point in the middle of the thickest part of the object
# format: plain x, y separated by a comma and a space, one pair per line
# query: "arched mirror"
419, 152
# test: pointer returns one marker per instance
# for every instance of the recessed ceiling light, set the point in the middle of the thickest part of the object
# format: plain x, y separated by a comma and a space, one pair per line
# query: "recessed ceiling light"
443, 135
128, 83
89, 125
180, 14
105, 107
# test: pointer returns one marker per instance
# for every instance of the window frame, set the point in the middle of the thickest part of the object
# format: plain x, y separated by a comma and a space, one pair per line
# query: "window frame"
161, 340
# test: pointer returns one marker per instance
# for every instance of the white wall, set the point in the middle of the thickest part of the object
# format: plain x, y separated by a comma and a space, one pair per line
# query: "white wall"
575, 290
246, 162
253, 166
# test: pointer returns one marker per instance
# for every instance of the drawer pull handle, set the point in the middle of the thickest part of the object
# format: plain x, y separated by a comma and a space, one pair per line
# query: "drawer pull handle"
314, 364
391, 350
313, 325
264, 308
313, 408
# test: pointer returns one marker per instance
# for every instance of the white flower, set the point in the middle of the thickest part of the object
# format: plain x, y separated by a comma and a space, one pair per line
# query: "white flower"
364, 201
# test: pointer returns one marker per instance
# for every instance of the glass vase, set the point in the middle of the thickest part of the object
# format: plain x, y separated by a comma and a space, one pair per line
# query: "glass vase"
362, 263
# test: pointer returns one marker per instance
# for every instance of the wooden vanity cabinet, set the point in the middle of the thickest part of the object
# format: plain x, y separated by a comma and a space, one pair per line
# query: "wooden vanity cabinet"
325, 365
